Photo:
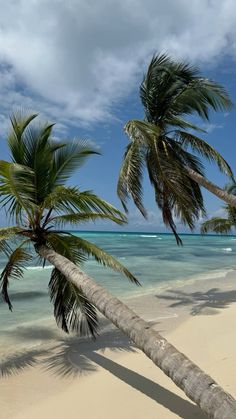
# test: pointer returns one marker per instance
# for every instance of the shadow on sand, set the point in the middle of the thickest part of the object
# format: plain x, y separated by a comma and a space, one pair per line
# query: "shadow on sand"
72, 357
206, 303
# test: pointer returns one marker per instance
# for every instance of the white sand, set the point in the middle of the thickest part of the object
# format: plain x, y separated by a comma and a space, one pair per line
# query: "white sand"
109, 379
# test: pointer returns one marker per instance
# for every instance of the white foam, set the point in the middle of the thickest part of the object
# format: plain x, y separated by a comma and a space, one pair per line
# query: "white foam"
227, 249
147, 235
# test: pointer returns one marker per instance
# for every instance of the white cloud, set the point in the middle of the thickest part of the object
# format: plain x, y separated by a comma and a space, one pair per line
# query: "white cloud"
220, 212
212, 127
75, 59
154, 220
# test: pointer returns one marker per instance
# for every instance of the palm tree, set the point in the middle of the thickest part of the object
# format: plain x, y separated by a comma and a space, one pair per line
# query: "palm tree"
222, 225
33, 191
165, 145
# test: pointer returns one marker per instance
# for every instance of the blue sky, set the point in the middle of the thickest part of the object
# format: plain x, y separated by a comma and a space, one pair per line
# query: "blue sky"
79, 63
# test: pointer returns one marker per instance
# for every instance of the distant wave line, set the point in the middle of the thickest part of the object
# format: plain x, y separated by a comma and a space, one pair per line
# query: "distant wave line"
147, 235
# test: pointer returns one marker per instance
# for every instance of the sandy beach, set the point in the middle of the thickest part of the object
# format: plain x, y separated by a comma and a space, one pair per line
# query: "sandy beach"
109, 378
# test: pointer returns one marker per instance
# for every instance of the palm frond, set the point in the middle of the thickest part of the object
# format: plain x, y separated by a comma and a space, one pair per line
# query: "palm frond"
130, 177
65, 246
173, 88
72, 201
201, 95
5, 247
142, 132
218, 225
204, 149
13, 270
70, 158
7, 233
38, 155
231, 212
101, 257
178, 122
79, 218
19, 122
16, 189
175, 194
72, 311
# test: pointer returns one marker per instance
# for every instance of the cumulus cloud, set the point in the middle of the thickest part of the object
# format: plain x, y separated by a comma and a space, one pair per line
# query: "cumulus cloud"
76, 59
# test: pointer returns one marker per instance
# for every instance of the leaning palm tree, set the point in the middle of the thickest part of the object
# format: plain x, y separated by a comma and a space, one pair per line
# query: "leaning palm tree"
33, 191
165, 145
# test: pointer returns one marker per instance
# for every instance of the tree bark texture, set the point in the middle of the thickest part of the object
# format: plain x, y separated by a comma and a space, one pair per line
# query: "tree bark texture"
211, 187
197, 385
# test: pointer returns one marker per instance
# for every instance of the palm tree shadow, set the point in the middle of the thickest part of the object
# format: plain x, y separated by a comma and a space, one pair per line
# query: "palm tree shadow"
16, 363
66, 358
73, 357
207, 303
156, 392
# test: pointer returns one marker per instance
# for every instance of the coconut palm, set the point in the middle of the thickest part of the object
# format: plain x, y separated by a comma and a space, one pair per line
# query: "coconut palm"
164, 143
34, 194
222, 225
33, 190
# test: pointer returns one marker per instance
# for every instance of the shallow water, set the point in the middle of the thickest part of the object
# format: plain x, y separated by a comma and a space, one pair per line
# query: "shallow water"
155, 259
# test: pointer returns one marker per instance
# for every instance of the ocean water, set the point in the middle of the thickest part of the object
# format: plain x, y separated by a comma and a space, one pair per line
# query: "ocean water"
155, 259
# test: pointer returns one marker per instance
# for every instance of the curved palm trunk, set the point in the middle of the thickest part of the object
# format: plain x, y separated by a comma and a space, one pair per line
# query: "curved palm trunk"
211, 187
197, 385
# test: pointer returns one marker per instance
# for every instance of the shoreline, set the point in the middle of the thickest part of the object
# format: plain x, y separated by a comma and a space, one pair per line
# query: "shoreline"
44, 378
151, 304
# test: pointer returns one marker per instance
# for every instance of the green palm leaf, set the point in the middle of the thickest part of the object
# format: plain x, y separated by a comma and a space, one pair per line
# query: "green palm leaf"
33, 193
130, 177
19, 122
204, 149
17, 189
76, 204
70, 158
79, 218
218, 225
9, 232
102, 257
169, 92
13, 270
72, 311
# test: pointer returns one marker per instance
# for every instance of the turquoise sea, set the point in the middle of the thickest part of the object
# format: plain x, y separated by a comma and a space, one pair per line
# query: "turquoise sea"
154, 258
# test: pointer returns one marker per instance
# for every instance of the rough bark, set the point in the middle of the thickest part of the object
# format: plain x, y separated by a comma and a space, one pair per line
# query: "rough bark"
197, 385
211, 187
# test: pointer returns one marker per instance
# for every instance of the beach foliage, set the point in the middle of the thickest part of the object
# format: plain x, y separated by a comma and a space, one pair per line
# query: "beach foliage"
222, 225
38, 201
166, 144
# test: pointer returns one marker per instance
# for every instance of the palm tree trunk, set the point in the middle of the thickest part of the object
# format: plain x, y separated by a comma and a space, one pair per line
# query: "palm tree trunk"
197, 385
211, 187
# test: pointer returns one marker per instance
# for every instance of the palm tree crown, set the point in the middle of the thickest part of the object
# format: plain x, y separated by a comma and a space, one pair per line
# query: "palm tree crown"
222, 225
164, 142
33, 190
